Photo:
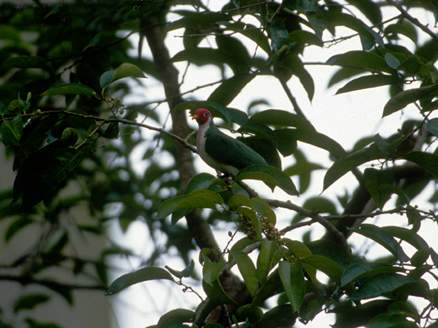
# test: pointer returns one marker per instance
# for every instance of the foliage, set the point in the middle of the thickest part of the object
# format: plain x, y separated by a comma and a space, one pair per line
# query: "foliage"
65, 121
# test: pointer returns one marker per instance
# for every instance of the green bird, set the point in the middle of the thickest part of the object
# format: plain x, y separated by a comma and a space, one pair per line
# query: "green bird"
222, 152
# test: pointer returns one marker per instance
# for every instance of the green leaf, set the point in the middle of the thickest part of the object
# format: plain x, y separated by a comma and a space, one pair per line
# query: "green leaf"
127, 70
391, 320
70, 89
427, 161
305, 37
379, 285
200, 181
404, 98
292, 278
432, 126
354, 271
383, 238
370, 9
263, 209
30, 301
414, 217
25, 62
285, 140
248, 271
407, 235
105, 79
368, 81
252, 32
361, 60
380, 184
324, 264
135, 277
269, 175
298, 248
230, 88
403, 27
277, 317
175, 318
203, 198
124, 70
305, 132
266, 259
349, 162
16, 226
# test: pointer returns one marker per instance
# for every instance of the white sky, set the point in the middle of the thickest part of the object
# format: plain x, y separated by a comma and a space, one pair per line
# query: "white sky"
345, 118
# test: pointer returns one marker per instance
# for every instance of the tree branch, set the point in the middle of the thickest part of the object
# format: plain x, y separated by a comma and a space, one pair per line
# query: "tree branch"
27, 280
39, 113
415, 21
198, 227
331, 228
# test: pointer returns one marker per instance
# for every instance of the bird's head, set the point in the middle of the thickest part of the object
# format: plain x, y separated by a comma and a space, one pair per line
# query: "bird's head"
201, 115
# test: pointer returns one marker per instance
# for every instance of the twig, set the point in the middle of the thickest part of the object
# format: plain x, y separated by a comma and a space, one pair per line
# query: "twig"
107, 120
412, 19
316, 217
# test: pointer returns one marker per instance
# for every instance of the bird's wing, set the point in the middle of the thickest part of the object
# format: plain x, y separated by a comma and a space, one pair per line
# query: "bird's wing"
229, 151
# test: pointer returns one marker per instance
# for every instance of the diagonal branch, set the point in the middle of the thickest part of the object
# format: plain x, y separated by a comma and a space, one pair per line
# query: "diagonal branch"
409, 17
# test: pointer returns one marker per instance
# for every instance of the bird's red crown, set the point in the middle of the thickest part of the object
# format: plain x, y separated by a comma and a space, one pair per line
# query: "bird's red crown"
201, 115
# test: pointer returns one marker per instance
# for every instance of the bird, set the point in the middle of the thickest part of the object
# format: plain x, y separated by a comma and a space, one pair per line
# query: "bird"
220, 151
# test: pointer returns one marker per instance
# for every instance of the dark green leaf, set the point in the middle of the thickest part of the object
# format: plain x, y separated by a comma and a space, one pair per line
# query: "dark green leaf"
365, 82
324, 264
25, 62
16, 226
277, 317
285, 140
174, 318
248, 271
403, 27
380, 184
70, 89
407, 97
270, 175
370, 9
407, 235
354, 271
379, 285
29, 301
200, 181
135, 277
229, 89
349, 162
251, 32
266, 259
427, 161
361, 60
383, 238
203, 198
292, 278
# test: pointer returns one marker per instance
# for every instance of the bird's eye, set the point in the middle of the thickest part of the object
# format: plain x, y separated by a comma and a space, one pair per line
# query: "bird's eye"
205, 114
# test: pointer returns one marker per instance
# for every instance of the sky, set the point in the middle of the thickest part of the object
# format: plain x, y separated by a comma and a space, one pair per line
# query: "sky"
345, 118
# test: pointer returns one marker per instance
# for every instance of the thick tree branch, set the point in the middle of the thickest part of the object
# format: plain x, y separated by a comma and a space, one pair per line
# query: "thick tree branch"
198, 227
